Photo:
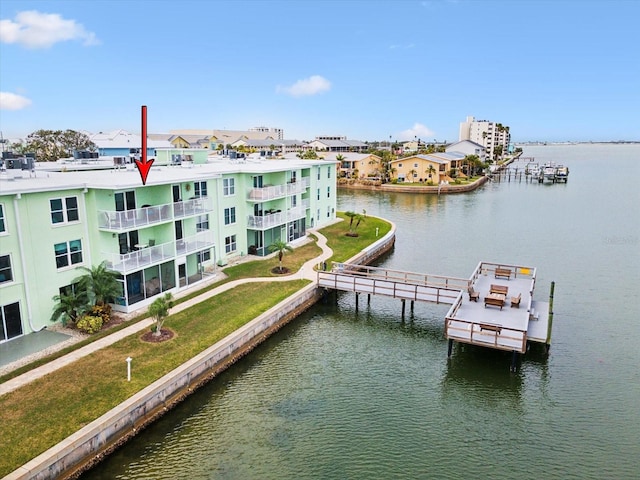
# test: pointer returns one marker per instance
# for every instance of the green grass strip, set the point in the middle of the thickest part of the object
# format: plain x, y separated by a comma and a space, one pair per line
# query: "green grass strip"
46, 411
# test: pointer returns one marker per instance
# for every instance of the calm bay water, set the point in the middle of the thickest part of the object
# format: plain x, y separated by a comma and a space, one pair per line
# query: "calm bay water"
360, 395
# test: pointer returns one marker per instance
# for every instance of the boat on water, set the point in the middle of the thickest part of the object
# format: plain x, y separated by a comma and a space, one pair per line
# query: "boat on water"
549, 172
562, 174
553, 173
532, 169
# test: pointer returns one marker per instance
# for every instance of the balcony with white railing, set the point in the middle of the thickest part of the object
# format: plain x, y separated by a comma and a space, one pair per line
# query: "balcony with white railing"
151, 255
270, 220
195, 206
195, 243
152, 215
272, 192
142, 258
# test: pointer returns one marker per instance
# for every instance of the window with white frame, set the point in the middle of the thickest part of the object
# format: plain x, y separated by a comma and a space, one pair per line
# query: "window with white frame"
200, 189
202, 223
328, 212
228, 186
3, 225
318, 173
328, 192
6, 274
318, 215
68, 253
329, 171
204, 256
229, 215
230, 244
318, 194
64, 210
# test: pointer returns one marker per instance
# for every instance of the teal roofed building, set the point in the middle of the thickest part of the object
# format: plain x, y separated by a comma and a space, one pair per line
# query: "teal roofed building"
160, 237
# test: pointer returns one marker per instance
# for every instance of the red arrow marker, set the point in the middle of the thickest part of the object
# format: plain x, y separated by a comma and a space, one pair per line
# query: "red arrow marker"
144, 165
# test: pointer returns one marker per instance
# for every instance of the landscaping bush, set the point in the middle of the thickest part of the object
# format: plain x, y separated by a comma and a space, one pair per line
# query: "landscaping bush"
102, 311
89, 324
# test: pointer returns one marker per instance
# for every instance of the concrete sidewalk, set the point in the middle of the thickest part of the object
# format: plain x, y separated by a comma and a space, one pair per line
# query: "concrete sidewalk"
307, 271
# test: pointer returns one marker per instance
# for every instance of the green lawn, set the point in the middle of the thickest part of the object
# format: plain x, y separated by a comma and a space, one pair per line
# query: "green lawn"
44, 412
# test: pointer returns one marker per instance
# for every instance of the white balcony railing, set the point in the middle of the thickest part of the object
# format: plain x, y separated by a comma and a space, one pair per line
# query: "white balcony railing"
132, 261
272, 192
195, 206
195, 243
142, 217
263, 222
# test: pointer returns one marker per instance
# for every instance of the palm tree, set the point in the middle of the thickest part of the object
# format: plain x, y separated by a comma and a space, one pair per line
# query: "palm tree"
351, 216
159, 309
69, 307
430, 171
412, 173
280, 247
100, 284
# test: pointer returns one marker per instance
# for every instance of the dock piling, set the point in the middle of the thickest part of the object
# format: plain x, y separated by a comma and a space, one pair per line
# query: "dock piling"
514, 362
550, 320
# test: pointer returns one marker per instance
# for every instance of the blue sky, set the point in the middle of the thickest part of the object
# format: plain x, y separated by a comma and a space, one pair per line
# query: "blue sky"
551, 70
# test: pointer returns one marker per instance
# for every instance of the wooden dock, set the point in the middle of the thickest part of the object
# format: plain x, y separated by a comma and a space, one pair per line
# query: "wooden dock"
503, 315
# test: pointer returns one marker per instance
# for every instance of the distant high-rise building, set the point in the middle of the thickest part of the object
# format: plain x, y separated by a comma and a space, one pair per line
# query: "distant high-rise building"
278, 132
488, 134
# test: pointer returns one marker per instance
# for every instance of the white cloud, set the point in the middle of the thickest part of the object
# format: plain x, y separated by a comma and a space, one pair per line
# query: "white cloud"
33, 29
308, 86
13, 101
418, 130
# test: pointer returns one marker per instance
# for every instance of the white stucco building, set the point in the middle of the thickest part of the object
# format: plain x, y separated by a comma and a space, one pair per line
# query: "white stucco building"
488, 134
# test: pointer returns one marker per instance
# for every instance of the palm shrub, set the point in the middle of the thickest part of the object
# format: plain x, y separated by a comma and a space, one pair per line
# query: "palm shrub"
69, 307
100, 284
159, 310
280, 247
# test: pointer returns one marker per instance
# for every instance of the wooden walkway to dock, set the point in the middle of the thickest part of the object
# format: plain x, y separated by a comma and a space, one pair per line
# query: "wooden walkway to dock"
503, 322
393, 283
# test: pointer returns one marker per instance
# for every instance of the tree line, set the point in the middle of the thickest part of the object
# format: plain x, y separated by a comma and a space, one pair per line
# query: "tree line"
51, 145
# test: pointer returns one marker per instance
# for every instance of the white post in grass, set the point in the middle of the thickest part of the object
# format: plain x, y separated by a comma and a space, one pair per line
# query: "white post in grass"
129, 368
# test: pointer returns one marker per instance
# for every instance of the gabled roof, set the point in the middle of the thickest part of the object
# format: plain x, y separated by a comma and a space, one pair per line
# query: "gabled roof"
259, 143
347, 156
341, 143
451, 156
193, 140
427, 158
470, 142
124, 139
225, 136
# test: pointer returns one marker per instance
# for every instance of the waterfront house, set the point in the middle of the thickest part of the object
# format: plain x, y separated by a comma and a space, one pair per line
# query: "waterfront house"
421, 168
467, 147
355, 165
160, 237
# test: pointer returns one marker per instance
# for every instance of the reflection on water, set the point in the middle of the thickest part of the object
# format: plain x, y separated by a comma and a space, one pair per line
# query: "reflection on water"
362, 394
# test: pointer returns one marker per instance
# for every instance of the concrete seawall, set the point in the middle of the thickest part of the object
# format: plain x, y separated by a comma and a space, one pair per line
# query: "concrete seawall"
424, 189
86, 447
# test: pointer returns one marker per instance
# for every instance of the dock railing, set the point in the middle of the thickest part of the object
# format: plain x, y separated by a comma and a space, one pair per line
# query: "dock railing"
392, 283
517, 271
494, 336
410, 278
